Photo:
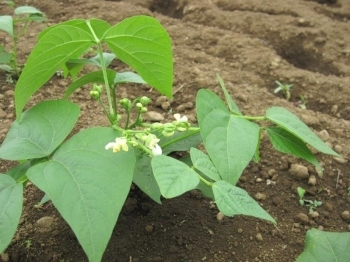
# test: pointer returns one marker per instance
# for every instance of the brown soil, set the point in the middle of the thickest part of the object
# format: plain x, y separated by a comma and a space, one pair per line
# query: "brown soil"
251, 44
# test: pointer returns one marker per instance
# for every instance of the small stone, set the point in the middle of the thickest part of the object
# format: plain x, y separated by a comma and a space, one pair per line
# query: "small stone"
320, 228
219, 217
259, 237
166, 105
9, 93
334, 109
338, 149
260, 196
299, 171
183, 107
328, 206
258, 180
345, 215
154, 116
5, 257
44, 224
301, 217
314, 214
149, 228
324, 135
2, 114
340, 160
160, 100
271, 172
312, 180
240, 230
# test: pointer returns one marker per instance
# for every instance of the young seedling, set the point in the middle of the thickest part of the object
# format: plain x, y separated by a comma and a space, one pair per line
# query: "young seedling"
312, 204
16, 26
285, 88
302, 102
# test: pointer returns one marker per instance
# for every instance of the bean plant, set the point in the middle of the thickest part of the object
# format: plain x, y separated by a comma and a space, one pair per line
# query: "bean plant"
88, 175
16, 26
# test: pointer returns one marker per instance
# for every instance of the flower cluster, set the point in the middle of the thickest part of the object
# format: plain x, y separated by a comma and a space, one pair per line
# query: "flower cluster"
146, 140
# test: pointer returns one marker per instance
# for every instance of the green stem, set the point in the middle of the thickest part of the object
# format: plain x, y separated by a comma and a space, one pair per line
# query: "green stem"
105, 110
254, 118
204, 180
112, 114
133, 125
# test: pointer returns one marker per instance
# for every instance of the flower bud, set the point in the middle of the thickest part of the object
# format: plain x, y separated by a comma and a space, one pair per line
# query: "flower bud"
139, 105
143, 110
145, 100
95, 95
167, 133
125, 103
97, 88
157, 126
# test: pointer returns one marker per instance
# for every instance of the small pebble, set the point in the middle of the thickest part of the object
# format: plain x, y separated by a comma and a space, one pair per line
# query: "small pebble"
324, 135
338, 149
299, 171
5, 257
240, 230
340, 160
301, 217
345, 215
258, 180
259, 237
219, 217
314, 214
260, 196
154, 116
44, 224
149, 228
312, 180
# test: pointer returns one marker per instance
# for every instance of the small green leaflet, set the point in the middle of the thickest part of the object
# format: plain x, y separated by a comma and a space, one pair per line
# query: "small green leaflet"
290, 122
173, 177
232, 200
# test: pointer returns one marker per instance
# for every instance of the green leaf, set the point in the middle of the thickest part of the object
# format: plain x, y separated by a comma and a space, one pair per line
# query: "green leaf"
231, 104
290, 122
202, 162
173, 177
142, 43
40, 131
143, 176
88, 185
26, 10
180, 141
6, 24
6, 68
18, 172
286, 142
92, 77
5, 57
128, 77
11, 199
207, 101
99, 26
230, 141
57, 46
232, 200
326, 246
74, 66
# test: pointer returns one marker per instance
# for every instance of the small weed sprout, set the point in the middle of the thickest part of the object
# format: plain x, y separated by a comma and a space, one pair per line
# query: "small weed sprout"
312, 204
302, 102
285, 88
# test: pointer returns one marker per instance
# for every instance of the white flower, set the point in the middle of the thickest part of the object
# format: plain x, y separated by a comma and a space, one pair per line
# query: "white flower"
156, 150
180, 119
119, 144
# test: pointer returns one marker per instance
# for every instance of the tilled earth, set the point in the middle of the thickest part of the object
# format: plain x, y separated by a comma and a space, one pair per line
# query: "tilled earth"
251, 44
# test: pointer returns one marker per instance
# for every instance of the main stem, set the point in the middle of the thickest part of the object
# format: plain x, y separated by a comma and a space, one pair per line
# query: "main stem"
112, 114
